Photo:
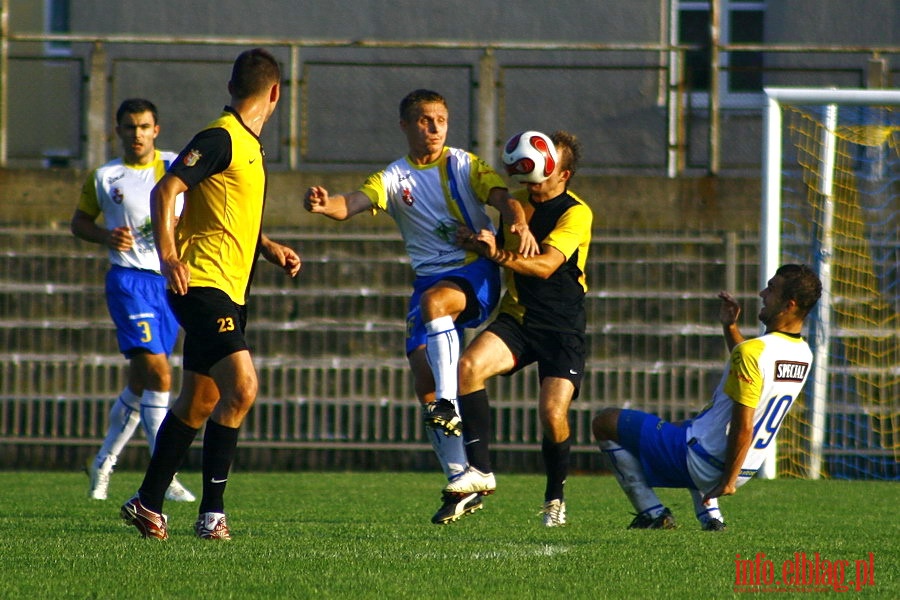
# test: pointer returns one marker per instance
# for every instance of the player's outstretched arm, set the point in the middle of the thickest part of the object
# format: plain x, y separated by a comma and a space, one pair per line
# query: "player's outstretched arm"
280, 255
339, 207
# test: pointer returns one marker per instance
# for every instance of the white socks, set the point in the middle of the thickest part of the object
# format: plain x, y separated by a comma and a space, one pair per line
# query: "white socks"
451, 452
442, 352
123, 421
154, 406
707, 511
627, 469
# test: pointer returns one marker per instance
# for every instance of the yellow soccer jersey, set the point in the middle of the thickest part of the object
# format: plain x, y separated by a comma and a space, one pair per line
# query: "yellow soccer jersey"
219, 230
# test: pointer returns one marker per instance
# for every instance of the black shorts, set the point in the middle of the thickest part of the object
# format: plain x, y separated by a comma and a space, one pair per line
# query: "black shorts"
213, 326
557, 353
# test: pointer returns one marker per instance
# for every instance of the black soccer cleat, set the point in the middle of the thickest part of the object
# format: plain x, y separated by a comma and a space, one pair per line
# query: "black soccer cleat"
442, 415
455, 506
664, 521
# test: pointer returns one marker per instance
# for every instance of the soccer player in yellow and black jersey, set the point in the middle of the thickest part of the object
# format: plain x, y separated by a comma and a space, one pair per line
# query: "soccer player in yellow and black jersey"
208, 262
542, 319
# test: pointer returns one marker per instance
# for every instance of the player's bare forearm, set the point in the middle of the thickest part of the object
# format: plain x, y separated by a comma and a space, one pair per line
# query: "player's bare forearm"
485, 243
281, 256
740, 434
162, 217
511, 213
729, 311
84, 227
339, 207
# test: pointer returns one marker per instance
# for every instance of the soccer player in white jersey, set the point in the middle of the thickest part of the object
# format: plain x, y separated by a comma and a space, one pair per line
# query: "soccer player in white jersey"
722, 447
135, 291
429, 193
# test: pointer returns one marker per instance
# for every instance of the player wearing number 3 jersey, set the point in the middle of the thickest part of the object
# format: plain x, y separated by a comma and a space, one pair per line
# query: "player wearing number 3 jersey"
722, 447
146, 329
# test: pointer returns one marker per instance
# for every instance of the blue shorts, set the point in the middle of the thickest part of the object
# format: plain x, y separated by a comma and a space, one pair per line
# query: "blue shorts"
659, 445
480, 280
138, 306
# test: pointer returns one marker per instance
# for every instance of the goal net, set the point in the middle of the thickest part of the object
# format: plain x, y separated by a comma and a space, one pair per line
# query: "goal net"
831, 196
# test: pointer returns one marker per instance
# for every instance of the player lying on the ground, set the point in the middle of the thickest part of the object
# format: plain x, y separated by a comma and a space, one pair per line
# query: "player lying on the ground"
722, 447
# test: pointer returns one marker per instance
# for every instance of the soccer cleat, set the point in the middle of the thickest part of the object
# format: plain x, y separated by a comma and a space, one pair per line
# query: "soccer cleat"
471, 481
150, 524
455, 506
665, 520
100, 477
212, 526
554, 513
713, 525
178, 492
442, 415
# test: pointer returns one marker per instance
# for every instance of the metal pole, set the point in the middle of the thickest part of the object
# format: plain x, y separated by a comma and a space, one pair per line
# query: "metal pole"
487, 108
714, 72
770, 228
96, 103
4, 81
819, 400
294, 109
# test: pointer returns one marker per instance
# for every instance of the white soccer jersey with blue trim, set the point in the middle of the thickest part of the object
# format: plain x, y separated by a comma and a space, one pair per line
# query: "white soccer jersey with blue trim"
765, 373
421, 200
121, 192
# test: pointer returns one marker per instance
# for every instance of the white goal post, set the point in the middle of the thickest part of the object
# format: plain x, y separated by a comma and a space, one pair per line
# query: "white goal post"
771, 230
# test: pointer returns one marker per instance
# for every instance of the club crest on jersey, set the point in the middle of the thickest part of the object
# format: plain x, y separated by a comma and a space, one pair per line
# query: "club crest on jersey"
116, 195
786, 370
190, 159
407, 197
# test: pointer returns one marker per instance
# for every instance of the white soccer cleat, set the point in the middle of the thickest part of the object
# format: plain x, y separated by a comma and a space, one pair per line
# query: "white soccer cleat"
100, 477
554, 513
471, 482
212, 526
178, 492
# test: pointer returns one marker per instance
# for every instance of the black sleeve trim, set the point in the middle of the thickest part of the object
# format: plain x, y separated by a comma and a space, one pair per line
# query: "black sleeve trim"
208, 154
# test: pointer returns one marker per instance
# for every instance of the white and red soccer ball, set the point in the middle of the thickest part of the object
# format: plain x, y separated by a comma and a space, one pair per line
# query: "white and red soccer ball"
529, 157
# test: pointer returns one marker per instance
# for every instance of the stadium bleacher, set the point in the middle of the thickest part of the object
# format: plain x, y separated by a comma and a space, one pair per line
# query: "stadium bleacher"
335, 391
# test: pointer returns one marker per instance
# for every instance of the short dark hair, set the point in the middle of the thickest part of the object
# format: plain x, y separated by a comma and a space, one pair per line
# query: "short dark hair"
568, 149
254, 72
800, 284
134, 106
416, 97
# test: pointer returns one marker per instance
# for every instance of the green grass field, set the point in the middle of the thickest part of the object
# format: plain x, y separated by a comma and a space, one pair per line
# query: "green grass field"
368, 535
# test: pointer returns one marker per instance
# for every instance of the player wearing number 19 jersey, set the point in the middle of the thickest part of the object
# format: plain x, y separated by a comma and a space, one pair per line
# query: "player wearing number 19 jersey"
722, 447
766, 374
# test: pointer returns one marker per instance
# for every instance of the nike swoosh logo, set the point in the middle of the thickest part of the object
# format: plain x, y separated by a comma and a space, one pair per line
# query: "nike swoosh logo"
214, 480
572, 372
252, 160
